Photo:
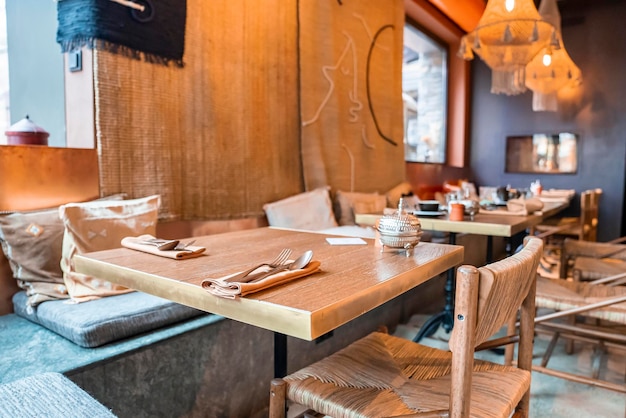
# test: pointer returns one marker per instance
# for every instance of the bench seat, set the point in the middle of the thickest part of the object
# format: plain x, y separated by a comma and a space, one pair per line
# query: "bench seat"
101, 321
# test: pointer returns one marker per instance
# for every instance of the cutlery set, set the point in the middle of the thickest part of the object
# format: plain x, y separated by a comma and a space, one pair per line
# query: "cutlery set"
169, 244
275, 266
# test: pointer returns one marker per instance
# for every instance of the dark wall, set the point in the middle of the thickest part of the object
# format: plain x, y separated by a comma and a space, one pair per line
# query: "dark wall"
595, 39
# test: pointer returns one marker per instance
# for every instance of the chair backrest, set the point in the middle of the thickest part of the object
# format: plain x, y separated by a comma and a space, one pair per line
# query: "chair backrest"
487, 298
501, 288
589, 209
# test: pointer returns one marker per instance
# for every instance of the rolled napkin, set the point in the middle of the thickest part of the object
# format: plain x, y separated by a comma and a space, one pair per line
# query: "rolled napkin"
230, 289
137, 243
524, 206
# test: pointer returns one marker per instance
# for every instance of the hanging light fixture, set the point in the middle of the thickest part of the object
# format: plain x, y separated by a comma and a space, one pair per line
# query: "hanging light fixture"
551, 69
508, 35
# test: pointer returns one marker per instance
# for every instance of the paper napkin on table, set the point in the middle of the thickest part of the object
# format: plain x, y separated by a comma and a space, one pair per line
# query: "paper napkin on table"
231, 289
517, 207
136, 243
524, 206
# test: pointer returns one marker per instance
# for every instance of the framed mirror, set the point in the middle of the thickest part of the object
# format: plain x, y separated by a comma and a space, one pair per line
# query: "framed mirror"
542, 153
424, 93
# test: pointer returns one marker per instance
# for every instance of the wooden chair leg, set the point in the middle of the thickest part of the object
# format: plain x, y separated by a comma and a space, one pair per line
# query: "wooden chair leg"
278, 404
549, 350
569, 342
598, 356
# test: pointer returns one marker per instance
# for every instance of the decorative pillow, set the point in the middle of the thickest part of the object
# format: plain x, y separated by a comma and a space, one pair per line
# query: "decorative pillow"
309, 210
33, 243
394, 195
96, 226
349, 203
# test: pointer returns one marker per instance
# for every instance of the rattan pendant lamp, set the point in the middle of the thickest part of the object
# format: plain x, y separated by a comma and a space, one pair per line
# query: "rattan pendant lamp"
508, 35
552, 68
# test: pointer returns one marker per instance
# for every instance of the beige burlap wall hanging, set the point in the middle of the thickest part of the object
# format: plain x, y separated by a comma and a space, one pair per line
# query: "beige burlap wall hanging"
217, 138
222, 135
351, 93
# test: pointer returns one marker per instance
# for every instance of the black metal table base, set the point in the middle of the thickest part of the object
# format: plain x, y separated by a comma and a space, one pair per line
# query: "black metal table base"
444, 318
280, 355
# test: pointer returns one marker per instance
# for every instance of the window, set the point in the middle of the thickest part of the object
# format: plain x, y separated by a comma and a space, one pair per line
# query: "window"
424, 92
31, 67
5, 115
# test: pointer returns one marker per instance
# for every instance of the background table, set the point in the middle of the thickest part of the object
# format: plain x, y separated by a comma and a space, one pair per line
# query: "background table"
354, 279
484, 223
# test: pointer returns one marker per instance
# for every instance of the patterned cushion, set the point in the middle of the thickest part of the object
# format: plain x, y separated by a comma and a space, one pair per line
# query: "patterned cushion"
49, 395
310, 211
104, 320
32, 242
101, 225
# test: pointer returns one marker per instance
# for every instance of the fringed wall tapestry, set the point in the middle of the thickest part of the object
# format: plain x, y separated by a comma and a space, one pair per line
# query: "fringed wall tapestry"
351, 93
218, 138
151, 30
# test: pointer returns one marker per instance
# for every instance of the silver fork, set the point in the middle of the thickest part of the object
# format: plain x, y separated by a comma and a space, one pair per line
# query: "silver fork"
183, 246
280, 259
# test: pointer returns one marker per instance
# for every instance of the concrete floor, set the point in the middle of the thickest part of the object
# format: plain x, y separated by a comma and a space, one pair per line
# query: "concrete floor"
550, 396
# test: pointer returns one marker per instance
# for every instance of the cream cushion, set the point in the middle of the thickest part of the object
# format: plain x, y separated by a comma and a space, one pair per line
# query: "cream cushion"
394, 194
347, 204
309, 210
101, 225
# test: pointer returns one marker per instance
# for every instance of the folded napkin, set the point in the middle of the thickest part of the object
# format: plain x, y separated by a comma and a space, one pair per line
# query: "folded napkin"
517, 207
550, 199
565, 193
135, 243
524, 206
231, 289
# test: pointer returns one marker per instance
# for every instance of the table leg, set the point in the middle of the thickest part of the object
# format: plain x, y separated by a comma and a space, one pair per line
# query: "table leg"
446, 317
280, 355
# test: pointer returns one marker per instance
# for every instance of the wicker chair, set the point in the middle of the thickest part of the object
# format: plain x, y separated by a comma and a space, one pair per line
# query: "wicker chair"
584, 260
554, 230
381, 375
583, 227
600, 307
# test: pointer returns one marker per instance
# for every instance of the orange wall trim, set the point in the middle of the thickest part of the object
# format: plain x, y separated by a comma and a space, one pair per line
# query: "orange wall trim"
465, 13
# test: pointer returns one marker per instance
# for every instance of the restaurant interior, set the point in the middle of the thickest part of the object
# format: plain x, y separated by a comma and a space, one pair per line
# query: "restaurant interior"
214, 134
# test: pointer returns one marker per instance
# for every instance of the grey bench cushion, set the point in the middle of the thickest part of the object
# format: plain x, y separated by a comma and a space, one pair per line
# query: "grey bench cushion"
49, 395
97, 322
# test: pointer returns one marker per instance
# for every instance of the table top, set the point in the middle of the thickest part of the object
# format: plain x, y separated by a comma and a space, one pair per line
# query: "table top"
484, 223
354, 279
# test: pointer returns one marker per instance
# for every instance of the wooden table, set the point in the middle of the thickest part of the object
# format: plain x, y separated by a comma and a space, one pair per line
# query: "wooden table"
484, 223
355, 279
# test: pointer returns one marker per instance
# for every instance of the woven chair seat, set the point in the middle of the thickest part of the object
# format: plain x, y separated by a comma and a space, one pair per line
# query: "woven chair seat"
589, 268
381, 375
562, 295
